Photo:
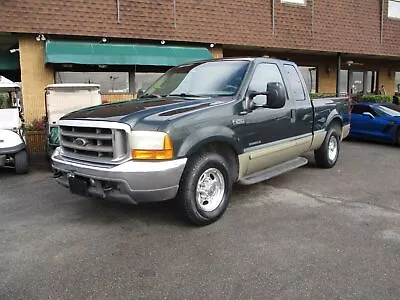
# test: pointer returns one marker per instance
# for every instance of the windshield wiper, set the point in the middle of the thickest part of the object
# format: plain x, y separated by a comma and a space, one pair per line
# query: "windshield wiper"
187, 95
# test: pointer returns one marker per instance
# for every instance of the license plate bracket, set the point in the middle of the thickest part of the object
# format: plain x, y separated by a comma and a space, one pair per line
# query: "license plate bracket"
78, 186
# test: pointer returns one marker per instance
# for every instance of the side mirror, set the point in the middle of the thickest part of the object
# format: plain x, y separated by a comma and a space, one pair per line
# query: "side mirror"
368, 114
276, 95
140, 93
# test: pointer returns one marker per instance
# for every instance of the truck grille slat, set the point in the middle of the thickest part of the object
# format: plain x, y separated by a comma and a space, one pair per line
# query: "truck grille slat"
97, 136
94, 148
94, 144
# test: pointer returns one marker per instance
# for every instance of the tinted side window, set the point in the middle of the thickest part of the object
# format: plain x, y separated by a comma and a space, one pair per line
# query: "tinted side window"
360, 109
295, 83
264, 74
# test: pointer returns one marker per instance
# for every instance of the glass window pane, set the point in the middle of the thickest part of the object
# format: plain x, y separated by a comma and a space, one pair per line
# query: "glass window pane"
310, 77
394, 9
295, 83
343, 84
294, 1
144, 80
397, 80
110, 82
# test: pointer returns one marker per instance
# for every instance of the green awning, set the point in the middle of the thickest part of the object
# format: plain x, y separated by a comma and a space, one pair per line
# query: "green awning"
9, 61
63, 52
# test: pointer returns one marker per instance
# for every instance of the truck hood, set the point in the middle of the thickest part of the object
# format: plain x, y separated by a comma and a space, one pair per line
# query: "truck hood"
151, 111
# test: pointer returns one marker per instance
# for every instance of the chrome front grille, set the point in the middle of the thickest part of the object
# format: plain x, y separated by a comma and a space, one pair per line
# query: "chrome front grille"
95, 144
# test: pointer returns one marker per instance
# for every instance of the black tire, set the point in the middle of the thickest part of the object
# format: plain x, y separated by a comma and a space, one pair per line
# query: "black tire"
21, 162
322, 157
397, 140
197, 166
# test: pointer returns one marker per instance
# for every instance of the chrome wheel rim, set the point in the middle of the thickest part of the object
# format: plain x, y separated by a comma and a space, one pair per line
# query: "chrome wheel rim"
210, 189
332, 148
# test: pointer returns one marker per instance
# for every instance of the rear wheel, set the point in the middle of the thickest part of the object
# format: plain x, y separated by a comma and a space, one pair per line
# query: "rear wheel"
397, 141
327, 155
205, 188
21, 162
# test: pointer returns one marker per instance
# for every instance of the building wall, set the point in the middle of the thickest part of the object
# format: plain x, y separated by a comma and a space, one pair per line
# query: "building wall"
326, 81
387, 78
322, 25
35, 76
112, 98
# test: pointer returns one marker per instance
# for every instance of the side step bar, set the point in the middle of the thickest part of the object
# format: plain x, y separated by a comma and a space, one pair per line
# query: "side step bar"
274, 171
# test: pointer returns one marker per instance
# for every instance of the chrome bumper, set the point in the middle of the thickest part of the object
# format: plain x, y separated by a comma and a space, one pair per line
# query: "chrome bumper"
131, 181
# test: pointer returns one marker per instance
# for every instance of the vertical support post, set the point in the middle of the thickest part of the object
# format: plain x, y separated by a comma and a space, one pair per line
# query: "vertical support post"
338, 67
132, 87
350, 84
373, 82
365, 82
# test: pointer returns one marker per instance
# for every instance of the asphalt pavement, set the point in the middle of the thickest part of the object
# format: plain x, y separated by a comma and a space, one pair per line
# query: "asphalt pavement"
308, 234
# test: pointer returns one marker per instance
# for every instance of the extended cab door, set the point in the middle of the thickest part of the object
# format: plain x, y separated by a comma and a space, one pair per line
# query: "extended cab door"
267, 136
302, 114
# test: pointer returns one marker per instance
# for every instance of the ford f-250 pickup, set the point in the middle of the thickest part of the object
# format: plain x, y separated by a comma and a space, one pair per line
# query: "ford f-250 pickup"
196, 131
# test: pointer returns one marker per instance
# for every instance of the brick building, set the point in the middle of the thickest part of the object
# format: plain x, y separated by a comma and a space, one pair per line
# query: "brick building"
125, 44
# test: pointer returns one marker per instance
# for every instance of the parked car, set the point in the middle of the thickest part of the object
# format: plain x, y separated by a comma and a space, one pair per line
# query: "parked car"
376, 121
197, 130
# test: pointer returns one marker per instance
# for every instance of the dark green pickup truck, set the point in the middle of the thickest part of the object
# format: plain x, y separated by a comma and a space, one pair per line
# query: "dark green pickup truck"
196, 131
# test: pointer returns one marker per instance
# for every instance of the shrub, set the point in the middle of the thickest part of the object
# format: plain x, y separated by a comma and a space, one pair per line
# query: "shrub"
4, 100
373, 98
321, 95
36, 125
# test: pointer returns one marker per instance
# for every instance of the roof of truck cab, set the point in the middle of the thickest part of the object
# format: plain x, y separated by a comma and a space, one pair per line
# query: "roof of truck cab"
249, 58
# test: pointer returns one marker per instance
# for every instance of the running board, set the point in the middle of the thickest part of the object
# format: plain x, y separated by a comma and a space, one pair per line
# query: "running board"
274, 171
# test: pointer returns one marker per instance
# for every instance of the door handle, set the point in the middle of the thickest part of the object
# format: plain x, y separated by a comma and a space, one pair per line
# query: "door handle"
293, 115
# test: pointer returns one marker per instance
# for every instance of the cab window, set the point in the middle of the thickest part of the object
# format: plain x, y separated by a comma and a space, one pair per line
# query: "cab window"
265, 73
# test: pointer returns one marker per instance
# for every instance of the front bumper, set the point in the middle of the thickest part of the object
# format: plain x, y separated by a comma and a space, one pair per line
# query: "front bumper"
131, 181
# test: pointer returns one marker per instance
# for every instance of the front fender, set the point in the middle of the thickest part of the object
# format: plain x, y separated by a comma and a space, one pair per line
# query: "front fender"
197, 139
10, 142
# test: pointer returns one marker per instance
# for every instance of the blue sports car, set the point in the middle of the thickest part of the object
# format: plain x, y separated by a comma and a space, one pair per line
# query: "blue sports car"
376, 121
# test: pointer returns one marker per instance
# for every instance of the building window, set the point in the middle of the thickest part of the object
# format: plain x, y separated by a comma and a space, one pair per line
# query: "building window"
144, 80
110, 82
394, 9
298, 2
310, 77
397, 82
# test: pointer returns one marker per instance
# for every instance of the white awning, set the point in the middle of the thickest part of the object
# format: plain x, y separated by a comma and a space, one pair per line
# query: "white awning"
6, 85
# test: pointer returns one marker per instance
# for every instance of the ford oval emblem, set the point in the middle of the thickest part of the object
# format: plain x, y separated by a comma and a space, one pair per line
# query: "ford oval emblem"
80, 142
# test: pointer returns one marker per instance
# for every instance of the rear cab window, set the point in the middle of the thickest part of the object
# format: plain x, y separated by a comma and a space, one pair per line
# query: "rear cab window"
295, 83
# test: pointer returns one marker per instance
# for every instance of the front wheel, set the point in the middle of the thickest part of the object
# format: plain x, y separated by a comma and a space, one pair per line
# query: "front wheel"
205, 188
21, 162
327, 155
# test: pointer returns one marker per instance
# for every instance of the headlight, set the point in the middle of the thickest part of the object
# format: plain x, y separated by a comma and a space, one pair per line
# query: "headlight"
151, 145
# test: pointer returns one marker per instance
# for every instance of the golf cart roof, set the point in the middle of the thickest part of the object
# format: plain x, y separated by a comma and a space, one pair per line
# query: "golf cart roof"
82, 86
6, 85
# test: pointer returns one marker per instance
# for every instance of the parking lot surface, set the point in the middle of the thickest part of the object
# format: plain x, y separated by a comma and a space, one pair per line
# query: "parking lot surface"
311, 233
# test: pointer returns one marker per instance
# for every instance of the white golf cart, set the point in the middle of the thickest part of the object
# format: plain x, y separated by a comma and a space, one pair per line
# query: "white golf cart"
63, 98
13, 152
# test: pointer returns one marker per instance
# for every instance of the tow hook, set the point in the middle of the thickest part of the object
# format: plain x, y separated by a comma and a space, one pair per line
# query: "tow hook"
57, 174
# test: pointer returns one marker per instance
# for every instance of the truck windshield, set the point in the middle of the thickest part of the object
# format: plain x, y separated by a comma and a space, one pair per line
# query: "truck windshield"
208, 79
